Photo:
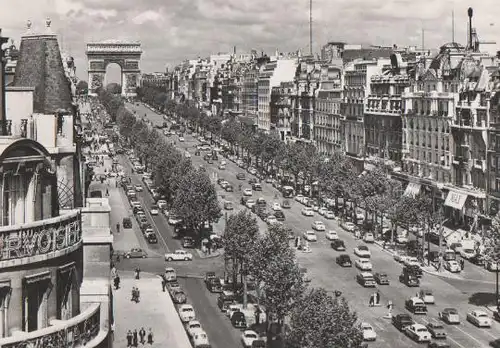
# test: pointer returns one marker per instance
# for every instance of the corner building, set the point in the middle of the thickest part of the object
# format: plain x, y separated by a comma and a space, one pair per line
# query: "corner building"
54, 253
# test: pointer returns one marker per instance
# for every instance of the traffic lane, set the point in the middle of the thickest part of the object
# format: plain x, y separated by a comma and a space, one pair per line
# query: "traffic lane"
218, 327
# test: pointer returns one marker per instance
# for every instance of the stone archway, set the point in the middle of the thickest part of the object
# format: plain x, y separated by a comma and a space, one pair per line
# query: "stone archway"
126, 54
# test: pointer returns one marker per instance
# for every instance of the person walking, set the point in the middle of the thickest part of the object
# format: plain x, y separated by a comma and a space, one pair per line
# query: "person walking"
137, 273
134, 295
135, 340
163, 283
129, 338
142, 335
118, 228
150, 336
377, 298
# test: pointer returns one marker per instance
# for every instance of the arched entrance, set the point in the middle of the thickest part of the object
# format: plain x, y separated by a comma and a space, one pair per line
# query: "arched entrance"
126, 54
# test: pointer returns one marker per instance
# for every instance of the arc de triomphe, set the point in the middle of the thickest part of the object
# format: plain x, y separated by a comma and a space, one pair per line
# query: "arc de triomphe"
126, 54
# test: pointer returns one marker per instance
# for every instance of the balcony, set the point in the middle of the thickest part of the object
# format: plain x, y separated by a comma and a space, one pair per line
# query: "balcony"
75, 332
40, 240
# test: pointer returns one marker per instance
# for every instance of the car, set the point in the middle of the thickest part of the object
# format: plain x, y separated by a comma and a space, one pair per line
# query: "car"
436, 329
248, 337
173, 287
426, 296
240, 176
491, 265
223, 183
238, 320
271, 219
257, 187
138, 188
369, 333
439, 344
467, 253
477, 259
286, 204
322, 211
331, 235
229, 188
449, 316
222, 166
362, 251
170, 274
200, 339
329, 215
162, 204
307, 211
452, 266
174, 220
366, 280
181, 139
299, 198
416, 305
188, 242
479, 318
127, 222
178, 297
318, 226
151, 238
368, 237
348, 226
276, 206
179, 255
409, 279
338, 245
410, 261
250, 203
381, 278
310, 236
154, 210
192, 327
279, 215
136, 253
186, 313
343, 260
259, 344
247, 192
401, 321
214, 285
418, 333
363, 264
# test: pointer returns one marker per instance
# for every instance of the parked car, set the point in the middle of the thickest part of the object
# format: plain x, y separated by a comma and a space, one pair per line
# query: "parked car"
192, 327
135, 253
238, 320
179, 297
200, 339
186, 313
248, 337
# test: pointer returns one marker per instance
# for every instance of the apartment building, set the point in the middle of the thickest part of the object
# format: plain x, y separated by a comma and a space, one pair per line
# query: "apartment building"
281, 109
307, 81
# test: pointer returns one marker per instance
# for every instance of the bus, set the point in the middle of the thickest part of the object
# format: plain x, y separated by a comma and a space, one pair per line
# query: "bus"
288, 191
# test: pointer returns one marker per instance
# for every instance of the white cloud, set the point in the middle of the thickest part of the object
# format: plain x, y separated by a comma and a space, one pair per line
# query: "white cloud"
146, 16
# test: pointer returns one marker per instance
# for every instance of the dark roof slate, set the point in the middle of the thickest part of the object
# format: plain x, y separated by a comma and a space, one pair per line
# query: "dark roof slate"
40, 66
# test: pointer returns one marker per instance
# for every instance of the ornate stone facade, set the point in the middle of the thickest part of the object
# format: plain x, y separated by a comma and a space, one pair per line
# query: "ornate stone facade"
126, 54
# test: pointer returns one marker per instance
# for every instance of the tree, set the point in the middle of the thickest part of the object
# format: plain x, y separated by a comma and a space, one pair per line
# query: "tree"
320, 320
82, 87
195, 201
114, 88
239, 237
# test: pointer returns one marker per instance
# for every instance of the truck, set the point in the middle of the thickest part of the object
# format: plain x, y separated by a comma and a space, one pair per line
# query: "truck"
179, 255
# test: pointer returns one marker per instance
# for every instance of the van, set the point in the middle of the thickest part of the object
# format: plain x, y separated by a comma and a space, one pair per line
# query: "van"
225, 299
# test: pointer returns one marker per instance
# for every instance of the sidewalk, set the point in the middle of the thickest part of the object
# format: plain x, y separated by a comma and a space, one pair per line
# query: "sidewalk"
155, 310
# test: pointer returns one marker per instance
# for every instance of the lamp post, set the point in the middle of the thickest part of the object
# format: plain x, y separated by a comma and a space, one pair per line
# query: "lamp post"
496, 286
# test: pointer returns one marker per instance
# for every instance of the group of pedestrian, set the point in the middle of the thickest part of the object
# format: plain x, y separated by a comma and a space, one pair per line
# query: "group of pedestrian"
116, 278
136, 295
135, 337
374, 299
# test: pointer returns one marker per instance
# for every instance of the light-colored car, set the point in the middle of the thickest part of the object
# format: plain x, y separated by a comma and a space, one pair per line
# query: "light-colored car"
426, 296
154, 210
250, 203
179, 255
348, 226
247, 338
187, 154
276, 206
331, 235
310, 236
162, 204
450, 316
318, 226
363, 264
369, 333
368, 237
233, 308
418, 333
307, 211
138, 188
410, 261
479, 318
200, 338
192, 327
452, 266
322, 211
174, 220
222, 166
299, 198
186, 313
467, 253
181, 139
247, 192
362, 251
329, 215
271, 219
170, 274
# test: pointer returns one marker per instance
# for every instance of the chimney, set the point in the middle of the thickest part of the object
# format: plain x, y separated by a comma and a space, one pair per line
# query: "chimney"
3, 130
470, 12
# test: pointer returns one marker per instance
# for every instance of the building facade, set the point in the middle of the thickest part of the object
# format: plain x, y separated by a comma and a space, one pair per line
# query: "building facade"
281, 109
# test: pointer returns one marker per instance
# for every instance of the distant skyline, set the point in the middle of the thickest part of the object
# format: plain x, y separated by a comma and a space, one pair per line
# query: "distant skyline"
173, 30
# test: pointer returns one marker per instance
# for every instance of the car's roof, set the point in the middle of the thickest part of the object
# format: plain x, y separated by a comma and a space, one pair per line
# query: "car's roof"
366, 274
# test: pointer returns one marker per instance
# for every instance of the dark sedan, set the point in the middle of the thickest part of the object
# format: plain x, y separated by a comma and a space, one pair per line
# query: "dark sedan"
344, 260
381, 278
338, 245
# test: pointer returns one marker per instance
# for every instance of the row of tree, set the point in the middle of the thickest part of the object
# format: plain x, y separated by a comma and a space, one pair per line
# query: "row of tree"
188, 190
336, 177
315, 318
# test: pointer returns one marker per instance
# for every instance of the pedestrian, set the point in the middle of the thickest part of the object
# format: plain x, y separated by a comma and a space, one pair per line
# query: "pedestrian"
150, 336
370, 304
137, 295
107, 193
118, 228
142, 335
113, 272
135, 340
117, 282
462, 264
129, 338
113, 330
257, 315
137, 273
377, 298
134, 295
163, 284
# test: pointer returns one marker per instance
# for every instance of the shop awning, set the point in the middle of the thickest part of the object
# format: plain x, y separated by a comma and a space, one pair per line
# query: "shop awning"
412, 190
455, 200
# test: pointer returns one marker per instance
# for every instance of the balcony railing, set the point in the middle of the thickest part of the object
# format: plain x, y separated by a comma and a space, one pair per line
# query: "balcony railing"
75, 332
39, 240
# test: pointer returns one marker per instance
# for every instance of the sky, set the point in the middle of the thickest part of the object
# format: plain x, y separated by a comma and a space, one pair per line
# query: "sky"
173, 30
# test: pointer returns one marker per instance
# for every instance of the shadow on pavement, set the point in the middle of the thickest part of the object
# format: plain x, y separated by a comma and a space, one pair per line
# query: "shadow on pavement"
482, 299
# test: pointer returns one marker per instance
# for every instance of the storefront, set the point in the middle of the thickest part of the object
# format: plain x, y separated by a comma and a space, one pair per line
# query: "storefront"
464, 209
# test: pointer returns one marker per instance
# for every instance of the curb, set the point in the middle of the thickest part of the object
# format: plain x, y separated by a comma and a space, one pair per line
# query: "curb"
213, 255
190, 276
